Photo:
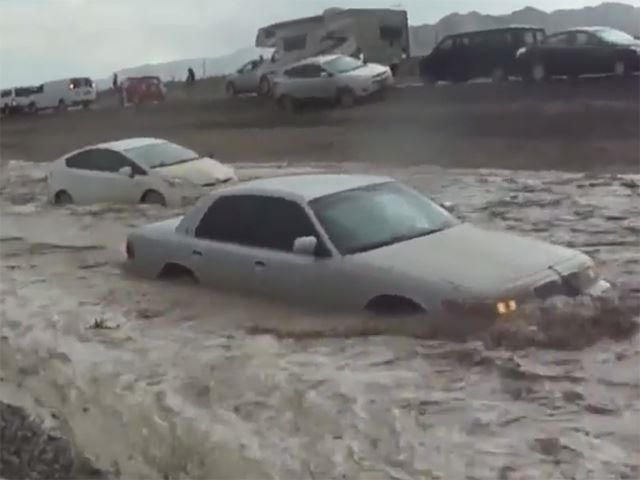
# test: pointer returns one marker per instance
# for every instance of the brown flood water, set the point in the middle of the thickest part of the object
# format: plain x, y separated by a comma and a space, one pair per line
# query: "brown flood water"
183, 387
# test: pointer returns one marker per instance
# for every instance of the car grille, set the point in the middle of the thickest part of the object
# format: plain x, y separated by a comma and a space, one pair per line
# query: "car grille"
569, 285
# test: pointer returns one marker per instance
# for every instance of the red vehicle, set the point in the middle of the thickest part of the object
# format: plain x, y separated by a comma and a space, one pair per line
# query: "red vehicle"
142, 90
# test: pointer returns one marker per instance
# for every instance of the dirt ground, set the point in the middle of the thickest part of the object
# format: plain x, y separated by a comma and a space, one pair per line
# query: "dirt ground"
592, 125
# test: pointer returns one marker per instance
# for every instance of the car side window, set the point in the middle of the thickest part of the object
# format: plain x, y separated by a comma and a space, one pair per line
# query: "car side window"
314, 71
445, 45
281, 222
561, 40
231, 219
5, 93
101, 160
582, 39
295, 72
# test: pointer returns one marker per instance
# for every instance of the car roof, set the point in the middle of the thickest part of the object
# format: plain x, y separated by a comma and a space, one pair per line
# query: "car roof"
127, 143
588, 29
495, 29
308, 186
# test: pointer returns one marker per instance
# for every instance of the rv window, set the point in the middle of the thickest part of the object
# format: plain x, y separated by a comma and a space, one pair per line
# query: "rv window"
5, 93
24, 92
297, 42
80, 82
390, 33
38, 89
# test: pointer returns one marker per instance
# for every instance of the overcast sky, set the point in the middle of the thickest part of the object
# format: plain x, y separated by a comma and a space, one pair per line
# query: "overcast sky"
46, 39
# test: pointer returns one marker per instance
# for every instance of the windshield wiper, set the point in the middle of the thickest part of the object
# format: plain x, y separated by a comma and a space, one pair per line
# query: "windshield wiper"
405, 237
176, 163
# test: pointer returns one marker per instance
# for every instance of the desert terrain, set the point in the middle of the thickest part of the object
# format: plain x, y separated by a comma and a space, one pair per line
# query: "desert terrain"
591, 125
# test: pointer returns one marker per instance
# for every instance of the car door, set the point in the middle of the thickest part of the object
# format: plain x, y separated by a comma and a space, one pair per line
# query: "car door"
247, 77
318, 82
282, 274
439, 61
115, 186
223, 249
558, 55
90, 177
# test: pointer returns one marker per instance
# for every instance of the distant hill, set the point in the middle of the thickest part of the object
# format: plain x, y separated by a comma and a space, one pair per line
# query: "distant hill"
616, 15
423, 37
177, 70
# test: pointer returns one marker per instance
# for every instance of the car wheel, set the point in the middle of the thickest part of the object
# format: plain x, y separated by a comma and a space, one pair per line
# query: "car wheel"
62, 106
231, 89
86, 105
31, 108
63, 198
152, 197
498, 75
429, 79
346, 99
264, 87
620, 68
538, 72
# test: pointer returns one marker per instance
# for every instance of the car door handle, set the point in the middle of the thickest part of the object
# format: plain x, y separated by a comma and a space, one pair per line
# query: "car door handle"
197, 253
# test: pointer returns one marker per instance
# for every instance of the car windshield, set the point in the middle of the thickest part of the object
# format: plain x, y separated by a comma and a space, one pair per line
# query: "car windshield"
375, 216
158, 155
616, 36
343, 64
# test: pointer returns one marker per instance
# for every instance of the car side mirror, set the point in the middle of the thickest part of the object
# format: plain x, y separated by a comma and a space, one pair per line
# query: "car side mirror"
449, 206
305, 246
126, 172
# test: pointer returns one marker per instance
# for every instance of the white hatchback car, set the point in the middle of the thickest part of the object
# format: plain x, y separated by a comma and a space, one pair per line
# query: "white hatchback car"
333, 78
135, 170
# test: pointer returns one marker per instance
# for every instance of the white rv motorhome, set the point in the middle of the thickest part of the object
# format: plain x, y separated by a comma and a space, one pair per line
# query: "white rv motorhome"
374, 35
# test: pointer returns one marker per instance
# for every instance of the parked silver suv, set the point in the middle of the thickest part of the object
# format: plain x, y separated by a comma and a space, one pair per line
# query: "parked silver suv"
333, 78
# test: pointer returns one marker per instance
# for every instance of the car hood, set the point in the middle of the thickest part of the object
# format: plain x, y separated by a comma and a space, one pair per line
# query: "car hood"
469, 257
369, 70
203, 171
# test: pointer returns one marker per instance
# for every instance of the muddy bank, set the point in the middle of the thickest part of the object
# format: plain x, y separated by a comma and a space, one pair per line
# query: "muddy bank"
592, 126
30, 450
184, 382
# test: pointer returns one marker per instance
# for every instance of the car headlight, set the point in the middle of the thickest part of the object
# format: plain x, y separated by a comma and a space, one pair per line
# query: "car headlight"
521, 52
485, 309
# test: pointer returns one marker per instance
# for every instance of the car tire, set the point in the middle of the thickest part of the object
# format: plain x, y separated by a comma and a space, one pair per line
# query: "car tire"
153, 197
62, 105
620, 68
62, 198
264, 86
429, 80
538, 72
32, 108
346, 98
230, 89
86, 105
498, 75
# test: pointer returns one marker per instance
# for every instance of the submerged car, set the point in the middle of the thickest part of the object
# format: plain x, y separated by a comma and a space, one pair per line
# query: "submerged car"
581, 51
344, 242
134, 170
331, 78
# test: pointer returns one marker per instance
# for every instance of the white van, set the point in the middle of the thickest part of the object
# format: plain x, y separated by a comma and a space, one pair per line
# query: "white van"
373, 35
18, 99
61, 94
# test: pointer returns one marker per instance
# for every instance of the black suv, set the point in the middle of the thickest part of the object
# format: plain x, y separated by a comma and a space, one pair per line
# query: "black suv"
479, 54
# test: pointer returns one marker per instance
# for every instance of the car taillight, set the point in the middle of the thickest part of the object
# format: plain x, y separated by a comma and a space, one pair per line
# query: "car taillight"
485, 309
130, 251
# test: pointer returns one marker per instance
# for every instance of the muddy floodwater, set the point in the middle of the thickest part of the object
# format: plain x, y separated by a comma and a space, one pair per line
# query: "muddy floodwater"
180, 382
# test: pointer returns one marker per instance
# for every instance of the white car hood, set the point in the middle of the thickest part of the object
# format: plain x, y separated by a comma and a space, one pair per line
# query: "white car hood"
369, 70
467, 256
204, 171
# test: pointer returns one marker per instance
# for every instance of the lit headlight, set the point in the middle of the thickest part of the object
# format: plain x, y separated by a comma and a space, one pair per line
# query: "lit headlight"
521, 52
506, 307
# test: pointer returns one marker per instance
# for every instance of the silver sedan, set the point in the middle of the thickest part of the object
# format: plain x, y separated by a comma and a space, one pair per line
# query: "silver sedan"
357, 242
